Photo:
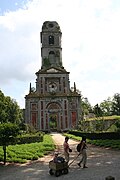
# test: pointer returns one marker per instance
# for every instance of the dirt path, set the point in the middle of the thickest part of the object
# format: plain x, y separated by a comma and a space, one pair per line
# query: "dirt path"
101, 163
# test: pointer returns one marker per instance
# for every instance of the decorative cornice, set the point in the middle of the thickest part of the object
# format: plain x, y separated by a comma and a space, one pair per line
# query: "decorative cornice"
37, 95
58, 69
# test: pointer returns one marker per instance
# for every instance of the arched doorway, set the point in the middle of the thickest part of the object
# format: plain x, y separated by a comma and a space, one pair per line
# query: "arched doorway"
54, 116
53, 121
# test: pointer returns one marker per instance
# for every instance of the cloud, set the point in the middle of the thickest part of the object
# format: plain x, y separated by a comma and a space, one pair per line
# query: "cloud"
90, 43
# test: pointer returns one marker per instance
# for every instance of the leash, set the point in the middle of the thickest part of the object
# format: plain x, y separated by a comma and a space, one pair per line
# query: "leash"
73, 160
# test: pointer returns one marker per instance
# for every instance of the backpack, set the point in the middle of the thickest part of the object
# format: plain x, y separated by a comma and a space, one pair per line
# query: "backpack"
79, 147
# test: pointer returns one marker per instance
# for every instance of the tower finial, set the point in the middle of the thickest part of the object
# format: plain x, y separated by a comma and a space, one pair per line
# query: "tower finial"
74, 87
30, 88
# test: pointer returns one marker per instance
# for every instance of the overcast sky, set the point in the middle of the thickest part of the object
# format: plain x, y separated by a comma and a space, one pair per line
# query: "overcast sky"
90, 45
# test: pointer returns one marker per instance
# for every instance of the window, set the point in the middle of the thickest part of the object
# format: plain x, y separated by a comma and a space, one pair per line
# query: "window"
51, 52
51, 40
34, 106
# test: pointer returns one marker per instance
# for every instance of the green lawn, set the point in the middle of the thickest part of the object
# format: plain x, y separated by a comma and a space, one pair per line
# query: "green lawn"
22, 153
115, 144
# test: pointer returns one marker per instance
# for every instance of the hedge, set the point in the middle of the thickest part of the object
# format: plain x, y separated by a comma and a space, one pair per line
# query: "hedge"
30, 138
94, 136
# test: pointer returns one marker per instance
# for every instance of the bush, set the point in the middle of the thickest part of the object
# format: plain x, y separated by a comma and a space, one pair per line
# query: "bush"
8, 133
30, 138
117, 124
93, 136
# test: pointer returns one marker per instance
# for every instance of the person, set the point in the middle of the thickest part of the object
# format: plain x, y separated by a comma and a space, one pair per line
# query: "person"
66, 149
83, 152
58, 159
55, 158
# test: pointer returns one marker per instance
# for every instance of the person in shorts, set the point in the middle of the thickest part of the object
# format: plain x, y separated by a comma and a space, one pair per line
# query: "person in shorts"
66, 149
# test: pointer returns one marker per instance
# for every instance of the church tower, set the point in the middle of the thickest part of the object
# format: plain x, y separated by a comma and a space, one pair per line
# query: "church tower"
52, 105
51, 50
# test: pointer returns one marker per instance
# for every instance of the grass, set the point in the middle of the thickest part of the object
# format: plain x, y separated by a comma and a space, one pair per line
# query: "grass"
22, 153
115, 144
105, 118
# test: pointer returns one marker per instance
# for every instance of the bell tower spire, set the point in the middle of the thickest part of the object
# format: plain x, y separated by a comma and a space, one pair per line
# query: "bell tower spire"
51, 51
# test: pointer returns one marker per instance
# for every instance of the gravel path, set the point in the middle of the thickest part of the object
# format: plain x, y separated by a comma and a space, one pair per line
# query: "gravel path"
102, 162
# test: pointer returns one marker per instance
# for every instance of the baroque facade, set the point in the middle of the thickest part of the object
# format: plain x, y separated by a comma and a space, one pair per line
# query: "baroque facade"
52, 105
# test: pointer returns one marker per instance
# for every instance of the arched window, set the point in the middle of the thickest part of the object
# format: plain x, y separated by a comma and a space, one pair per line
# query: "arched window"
52, 57
51, 52
51, 40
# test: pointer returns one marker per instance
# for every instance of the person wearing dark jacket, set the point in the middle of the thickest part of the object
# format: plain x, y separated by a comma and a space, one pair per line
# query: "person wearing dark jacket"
83, 153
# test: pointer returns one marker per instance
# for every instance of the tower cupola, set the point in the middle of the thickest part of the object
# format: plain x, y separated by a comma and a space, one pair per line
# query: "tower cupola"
51, 51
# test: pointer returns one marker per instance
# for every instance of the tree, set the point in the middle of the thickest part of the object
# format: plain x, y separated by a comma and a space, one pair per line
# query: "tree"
9, 110
8, 133
2, 107
116, 104
97, 111
86, 106
14, 113
106, 107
